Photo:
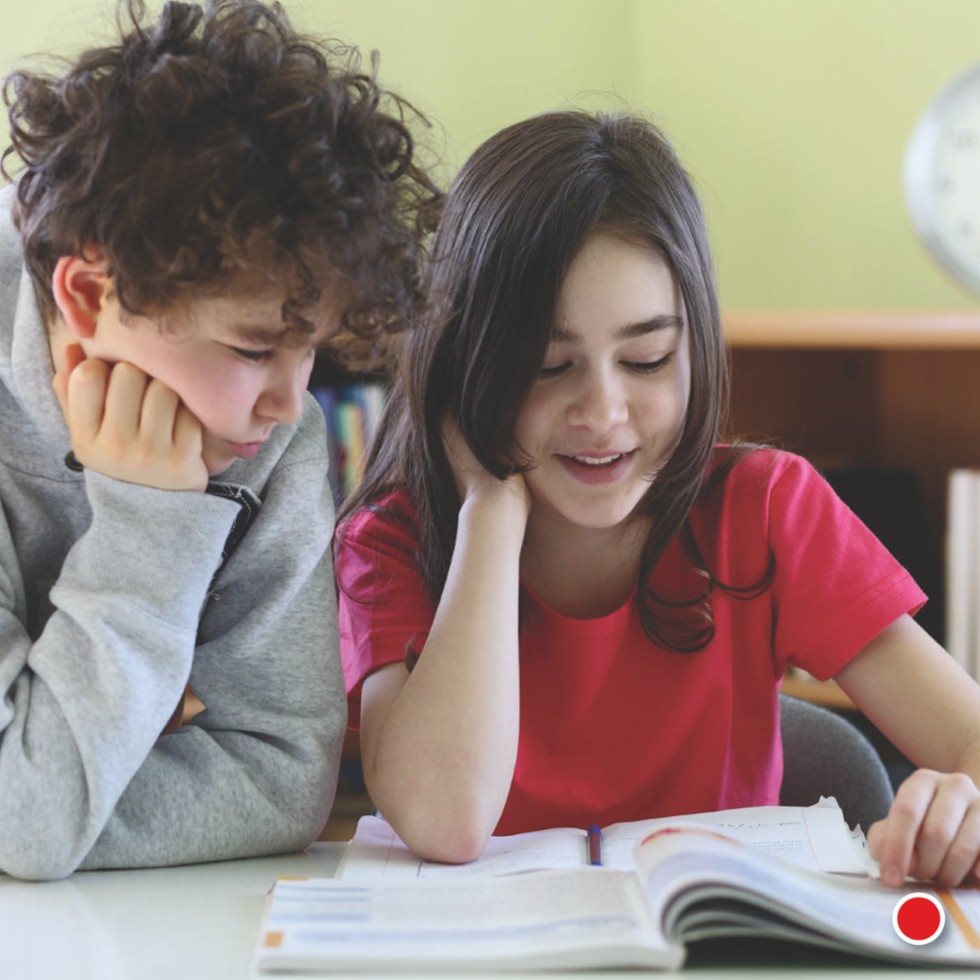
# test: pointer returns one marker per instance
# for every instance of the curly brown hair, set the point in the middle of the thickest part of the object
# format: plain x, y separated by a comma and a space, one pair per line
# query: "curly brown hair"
218, 147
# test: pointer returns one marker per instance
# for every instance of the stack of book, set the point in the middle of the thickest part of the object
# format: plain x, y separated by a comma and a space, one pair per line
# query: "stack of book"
352, 413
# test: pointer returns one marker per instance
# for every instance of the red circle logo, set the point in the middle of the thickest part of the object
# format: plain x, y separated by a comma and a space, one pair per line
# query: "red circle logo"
919, 918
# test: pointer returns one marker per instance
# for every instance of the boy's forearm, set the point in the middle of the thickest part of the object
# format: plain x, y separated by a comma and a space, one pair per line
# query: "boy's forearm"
98, 684
254, 773
444, 756
210, 794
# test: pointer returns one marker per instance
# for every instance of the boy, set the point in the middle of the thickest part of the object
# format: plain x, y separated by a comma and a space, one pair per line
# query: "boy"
199, 207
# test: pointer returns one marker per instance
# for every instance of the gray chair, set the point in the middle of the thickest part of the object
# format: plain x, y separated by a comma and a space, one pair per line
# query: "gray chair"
823, 755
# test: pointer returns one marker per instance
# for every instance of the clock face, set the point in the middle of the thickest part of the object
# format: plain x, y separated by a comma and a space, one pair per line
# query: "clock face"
942, 178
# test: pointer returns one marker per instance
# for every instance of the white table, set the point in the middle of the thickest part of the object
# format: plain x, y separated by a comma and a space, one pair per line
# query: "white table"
200, 923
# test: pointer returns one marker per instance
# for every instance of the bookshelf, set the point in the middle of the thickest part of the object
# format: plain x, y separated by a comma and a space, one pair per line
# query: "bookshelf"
351, 801
352, 405
852, 329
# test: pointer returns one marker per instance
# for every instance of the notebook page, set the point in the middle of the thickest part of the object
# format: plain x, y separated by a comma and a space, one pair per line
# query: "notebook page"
377, 853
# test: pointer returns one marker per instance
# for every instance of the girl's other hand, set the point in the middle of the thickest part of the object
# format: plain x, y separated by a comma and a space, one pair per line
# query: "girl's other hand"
932, 831
472, 479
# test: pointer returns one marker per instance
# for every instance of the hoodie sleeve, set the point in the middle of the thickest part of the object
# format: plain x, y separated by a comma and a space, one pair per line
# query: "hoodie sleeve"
82, 704
255, 772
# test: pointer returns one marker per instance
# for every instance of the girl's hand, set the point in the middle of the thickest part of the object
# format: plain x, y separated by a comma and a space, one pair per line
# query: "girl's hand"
931, 832
472, 480
129, 426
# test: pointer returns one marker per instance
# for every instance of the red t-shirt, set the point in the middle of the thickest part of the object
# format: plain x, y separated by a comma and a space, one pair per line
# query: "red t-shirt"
614, 727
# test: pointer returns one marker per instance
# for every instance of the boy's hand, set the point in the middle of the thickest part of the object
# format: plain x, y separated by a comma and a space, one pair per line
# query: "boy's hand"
129, 426
931, 832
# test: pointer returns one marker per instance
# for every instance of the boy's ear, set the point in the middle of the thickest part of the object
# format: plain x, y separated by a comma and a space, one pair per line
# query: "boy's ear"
80, 286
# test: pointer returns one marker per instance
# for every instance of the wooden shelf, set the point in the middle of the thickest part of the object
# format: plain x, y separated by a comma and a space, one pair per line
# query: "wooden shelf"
853, 329
894, 390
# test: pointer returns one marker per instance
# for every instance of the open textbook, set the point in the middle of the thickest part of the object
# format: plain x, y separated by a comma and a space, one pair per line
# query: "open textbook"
814, 837
688, 881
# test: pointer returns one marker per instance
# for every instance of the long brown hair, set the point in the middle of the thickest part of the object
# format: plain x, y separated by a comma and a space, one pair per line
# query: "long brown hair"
516, 215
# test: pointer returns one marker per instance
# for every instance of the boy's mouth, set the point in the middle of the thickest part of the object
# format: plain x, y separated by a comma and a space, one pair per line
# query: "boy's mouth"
246, 450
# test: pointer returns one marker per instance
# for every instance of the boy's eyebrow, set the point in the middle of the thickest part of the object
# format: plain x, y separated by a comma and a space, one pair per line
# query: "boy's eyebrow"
258, 333
665, 321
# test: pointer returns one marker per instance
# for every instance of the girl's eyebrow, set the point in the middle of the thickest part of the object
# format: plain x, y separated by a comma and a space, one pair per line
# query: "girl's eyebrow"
664, 321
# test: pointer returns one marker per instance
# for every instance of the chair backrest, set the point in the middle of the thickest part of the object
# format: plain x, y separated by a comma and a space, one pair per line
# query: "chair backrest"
824, 755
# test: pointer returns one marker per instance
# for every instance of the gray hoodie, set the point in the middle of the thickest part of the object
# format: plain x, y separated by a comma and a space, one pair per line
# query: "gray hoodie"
108, 609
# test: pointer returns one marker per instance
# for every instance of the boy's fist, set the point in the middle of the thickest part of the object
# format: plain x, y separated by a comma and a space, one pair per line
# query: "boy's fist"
129, 426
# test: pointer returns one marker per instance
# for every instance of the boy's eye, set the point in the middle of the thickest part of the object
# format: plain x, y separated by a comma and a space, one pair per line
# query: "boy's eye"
249, 354
553, 372
648, 367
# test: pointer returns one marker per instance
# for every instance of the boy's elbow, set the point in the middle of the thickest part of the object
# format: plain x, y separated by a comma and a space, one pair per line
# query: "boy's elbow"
39, 842
306, 791
306, 823
31, 864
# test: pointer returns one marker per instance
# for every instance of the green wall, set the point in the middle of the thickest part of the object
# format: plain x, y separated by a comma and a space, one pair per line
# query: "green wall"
792, 116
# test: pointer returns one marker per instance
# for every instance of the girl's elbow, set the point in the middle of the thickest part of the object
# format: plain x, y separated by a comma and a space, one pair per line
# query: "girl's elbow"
449, 835
453, 845
440, 822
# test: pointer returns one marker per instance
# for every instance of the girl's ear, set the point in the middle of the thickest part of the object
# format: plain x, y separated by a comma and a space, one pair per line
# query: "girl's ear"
80, 286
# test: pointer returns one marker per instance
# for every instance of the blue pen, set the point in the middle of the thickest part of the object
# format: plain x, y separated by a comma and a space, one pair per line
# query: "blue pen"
595, 844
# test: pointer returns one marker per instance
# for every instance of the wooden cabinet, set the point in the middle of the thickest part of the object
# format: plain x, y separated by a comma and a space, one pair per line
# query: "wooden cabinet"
862, 388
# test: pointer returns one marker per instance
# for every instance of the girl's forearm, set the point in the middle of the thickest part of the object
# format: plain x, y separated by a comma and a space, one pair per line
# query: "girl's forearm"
969, 761
444, 756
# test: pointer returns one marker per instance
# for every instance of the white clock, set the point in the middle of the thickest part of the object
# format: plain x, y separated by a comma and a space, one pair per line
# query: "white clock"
942, 178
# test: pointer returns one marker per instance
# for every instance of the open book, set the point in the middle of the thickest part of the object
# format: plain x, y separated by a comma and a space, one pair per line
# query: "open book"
814, 837
688, 882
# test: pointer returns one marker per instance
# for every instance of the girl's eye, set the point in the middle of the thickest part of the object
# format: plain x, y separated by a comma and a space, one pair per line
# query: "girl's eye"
553, 372
648, 367
256, 356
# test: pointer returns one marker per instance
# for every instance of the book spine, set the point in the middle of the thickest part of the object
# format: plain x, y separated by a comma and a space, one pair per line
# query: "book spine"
961, 572
972, 664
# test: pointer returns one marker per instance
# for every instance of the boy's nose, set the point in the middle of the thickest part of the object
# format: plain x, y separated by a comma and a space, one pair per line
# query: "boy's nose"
283, 401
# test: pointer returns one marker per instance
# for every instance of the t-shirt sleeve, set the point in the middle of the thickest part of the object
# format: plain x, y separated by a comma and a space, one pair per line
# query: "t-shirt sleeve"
384, 610
836, 586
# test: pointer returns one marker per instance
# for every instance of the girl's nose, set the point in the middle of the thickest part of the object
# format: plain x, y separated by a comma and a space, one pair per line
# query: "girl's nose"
600, 406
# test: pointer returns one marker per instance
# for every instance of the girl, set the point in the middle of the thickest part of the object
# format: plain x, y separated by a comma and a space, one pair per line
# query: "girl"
562, 602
